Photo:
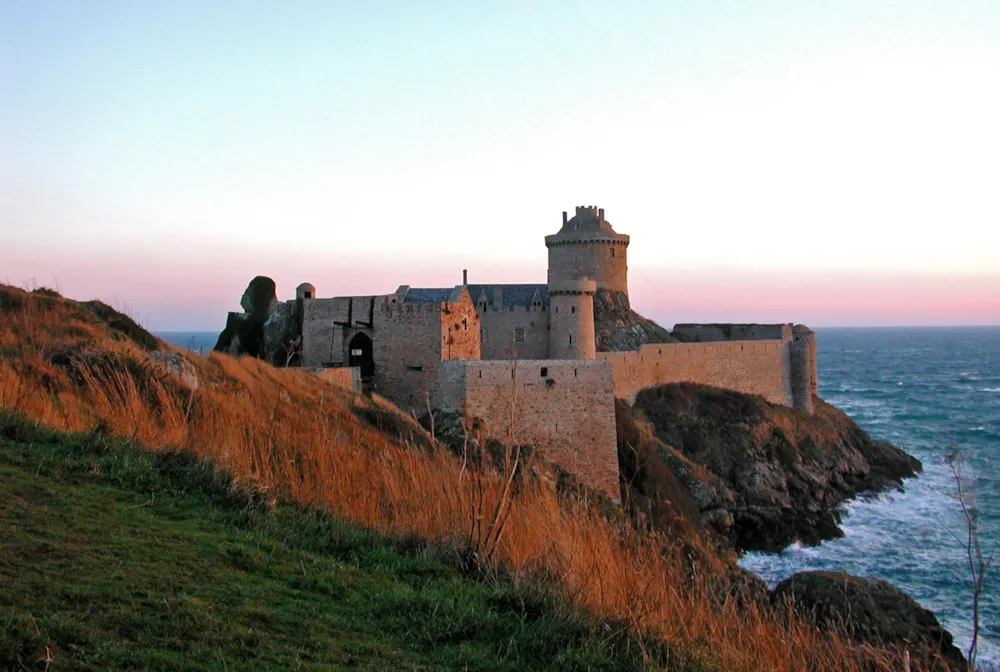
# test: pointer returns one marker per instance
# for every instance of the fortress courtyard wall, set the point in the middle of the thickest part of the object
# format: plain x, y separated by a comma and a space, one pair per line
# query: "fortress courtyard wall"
750, 367
324, 336
499, 331
564, 408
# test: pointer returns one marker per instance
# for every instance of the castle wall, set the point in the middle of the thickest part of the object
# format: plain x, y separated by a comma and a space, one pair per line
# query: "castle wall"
498, 333
324, 342
568, 413
734, 332
411, 340
751, 367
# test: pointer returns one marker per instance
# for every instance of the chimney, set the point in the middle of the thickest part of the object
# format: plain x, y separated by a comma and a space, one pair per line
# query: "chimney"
564, 218
465, 276
600, 215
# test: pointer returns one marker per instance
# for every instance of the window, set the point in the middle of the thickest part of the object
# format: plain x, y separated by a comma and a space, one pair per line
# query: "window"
307, 295
571, 339
482, 335
465, 325
572, 309
415, 367
545, 372
356, 353
519, 335
612, 252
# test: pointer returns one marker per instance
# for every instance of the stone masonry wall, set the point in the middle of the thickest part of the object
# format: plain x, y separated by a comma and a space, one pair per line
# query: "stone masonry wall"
411, 340
598, 256
498, 333
323, 341
751, 367
734, 332
564, 408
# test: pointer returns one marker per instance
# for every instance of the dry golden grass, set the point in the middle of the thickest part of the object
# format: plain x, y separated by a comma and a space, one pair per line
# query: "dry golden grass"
293, 436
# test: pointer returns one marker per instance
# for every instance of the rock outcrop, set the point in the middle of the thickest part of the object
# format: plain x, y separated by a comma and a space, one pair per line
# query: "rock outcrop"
618, 327
760, 474
870, 611
268, 328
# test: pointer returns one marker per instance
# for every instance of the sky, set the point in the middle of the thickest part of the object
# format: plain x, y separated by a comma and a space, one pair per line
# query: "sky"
830, 163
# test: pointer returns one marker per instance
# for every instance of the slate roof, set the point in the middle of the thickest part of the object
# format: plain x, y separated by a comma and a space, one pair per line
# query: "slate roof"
511, 295
432, 294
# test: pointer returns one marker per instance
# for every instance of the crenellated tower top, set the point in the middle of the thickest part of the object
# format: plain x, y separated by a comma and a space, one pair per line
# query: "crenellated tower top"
588, 247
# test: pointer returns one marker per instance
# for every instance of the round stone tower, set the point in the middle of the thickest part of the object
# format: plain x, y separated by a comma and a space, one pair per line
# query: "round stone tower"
587, 247
571, 320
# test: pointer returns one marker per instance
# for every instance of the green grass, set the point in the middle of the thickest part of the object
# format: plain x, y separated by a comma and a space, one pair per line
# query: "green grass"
116, 558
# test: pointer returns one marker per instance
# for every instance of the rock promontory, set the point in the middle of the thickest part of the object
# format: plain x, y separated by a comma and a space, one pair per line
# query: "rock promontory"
761, 475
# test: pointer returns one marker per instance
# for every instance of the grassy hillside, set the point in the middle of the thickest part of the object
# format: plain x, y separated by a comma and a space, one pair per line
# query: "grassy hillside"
121, 558
295, 441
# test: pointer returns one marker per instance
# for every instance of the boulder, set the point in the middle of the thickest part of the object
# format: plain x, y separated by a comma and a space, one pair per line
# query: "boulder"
868, 610
258, 297
174, 364
267, 328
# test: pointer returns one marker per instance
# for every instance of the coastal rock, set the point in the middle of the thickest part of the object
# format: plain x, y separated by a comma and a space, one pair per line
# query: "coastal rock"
761, 475
258, 297
248, 333
617, 327
281, 335
868, 610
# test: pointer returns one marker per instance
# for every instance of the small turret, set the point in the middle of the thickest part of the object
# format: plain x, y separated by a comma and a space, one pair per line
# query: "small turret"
571, 320
805, 383
305, 291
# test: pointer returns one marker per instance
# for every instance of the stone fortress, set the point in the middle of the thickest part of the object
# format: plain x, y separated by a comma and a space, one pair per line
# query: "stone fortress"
526, 360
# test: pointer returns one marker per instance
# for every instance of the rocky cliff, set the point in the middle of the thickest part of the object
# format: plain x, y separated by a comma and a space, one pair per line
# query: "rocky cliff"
618, 327
761, 475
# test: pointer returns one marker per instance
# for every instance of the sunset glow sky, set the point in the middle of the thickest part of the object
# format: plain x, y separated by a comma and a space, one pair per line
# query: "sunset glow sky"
832, 163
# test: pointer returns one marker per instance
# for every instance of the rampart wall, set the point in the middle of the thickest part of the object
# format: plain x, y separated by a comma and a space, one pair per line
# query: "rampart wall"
734, 332
750, 367
564, 408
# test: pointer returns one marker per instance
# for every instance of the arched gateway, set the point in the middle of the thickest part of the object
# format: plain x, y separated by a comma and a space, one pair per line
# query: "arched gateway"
360, 354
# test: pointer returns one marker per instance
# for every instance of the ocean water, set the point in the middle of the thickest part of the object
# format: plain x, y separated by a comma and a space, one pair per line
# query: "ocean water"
196, 341
924, 390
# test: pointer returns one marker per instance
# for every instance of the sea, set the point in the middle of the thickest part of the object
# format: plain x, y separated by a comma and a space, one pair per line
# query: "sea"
927, 390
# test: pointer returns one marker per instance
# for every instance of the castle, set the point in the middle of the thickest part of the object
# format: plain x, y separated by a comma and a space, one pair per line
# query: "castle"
524, 359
